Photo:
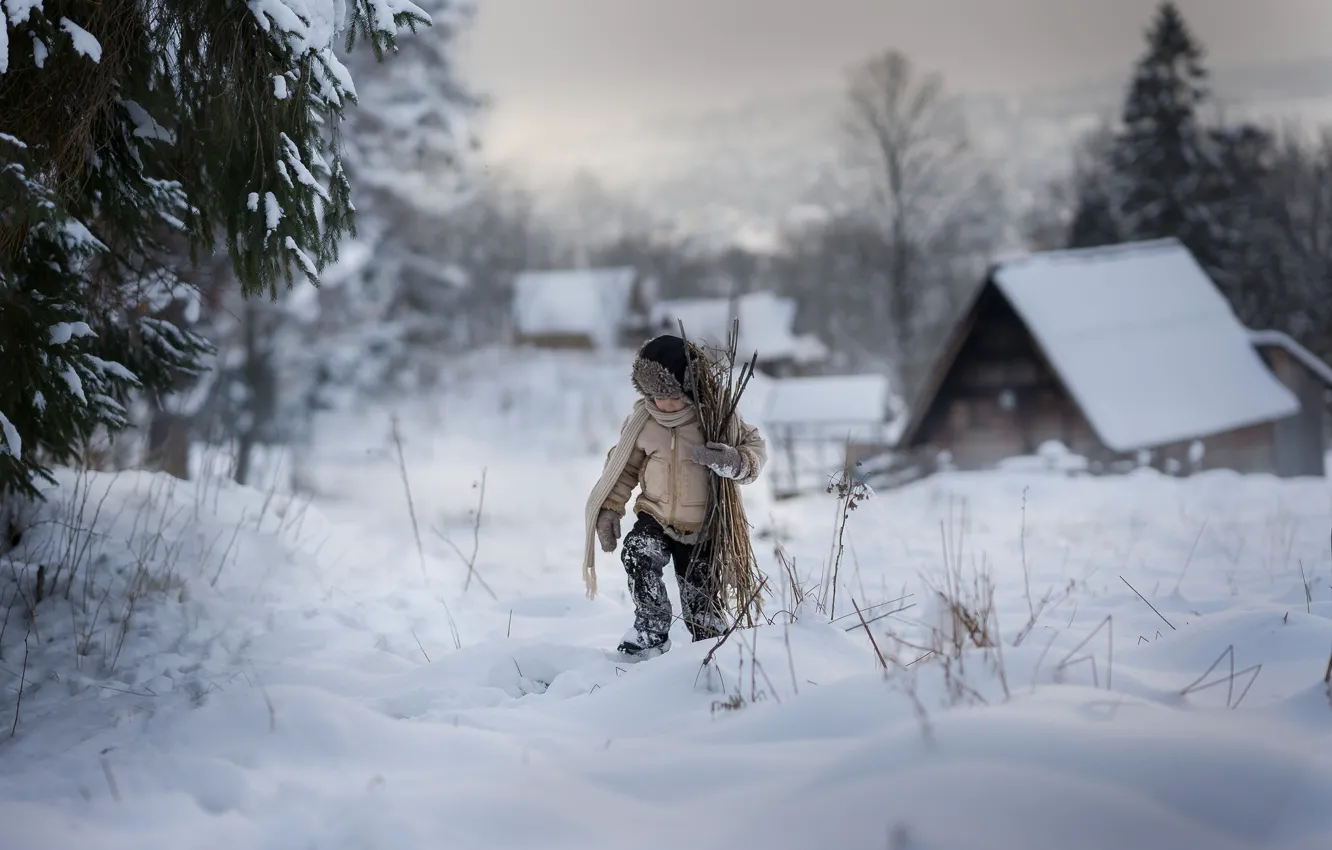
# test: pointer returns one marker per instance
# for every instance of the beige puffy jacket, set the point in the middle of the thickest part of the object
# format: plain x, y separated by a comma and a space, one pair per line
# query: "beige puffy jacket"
674, 488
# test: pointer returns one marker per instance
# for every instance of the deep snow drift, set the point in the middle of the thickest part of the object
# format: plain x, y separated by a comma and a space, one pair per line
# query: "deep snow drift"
301, 676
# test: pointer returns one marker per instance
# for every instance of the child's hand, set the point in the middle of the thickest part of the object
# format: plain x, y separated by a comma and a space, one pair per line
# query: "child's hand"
720, 458
608, 529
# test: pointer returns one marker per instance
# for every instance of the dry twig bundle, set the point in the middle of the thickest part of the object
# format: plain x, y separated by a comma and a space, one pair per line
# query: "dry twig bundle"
724, 537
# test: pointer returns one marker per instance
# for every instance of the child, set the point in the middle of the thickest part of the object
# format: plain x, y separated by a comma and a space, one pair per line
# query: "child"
662, 451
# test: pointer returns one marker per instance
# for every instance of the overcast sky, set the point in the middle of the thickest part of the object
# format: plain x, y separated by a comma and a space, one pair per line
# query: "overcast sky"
561, 69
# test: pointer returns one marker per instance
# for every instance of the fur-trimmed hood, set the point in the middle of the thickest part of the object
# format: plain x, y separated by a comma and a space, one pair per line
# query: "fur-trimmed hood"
662, 369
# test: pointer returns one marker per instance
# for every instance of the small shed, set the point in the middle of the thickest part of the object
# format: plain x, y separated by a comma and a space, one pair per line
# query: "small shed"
816, 426
767, 326
1116, 352
581, 308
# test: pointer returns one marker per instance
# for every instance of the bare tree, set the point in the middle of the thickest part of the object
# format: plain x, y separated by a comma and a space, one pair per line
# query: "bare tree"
910, 146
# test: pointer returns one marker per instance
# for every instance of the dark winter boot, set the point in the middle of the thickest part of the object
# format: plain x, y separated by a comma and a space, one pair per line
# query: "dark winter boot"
641, 645
645, 554
698, 596
700, 612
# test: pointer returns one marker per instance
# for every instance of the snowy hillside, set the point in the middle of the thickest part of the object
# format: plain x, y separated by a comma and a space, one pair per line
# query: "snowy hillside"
309, 676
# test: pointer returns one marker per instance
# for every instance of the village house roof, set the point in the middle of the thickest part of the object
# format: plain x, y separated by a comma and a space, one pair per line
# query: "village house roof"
1302, 355
767, 323
829, 400
1142, 340
577, 302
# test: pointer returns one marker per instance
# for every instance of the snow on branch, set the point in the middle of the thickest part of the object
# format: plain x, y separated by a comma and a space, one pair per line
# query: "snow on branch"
84, 41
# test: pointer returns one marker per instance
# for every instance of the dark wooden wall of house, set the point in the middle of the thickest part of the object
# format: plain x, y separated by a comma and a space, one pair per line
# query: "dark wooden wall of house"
1001, 398
562, 341
1247, 450
1299, 440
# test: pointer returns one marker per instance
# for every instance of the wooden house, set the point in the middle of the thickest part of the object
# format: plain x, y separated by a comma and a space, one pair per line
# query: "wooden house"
599, 308
1122, 354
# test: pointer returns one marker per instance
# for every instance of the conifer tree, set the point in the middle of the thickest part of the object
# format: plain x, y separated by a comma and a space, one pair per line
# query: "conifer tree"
1151, 183
1160, 155
122, 118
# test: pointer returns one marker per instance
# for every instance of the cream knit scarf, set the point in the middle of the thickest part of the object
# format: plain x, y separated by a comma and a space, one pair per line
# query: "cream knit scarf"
615, 464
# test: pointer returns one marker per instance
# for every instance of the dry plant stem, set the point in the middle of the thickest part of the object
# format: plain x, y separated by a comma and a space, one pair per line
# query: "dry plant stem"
1193, 549
407, 488
1068, 660
884, 615
226, 552
1022, 543
110, 777
1231, 702
1149, 605
873, 642
23, 677
1308, 591
418, 645
790, 659
731, 628
470, 560
476, 539
843, 514
416, 530
1327, 677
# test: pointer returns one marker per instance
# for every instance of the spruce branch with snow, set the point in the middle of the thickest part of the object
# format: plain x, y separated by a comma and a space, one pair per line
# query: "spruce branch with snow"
126, 124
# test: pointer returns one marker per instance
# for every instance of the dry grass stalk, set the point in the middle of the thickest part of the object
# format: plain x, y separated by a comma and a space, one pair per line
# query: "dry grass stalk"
874, 643
1069, 660
23, 679
1229, 680
1149, 605
970, 605
416, 531
850, 494
470, 560
797, 592
731, 628
725, 534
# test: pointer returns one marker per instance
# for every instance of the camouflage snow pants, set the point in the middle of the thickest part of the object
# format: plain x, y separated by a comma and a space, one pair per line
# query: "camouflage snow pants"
645, 552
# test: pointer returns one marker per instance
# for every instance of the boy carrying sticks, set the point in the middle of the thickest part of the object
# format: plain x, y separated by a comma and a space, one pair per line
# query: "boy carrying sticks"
688, 510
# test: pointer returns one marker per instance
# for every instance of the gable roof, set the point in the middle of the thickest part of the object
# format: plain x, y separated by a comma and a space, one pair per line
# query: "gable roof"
1302, 355
581, 302
1142, 340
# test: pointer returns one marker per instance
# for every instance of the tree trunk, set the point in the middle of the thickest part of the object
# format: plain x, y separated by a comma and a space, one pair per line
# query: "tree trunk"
168, 447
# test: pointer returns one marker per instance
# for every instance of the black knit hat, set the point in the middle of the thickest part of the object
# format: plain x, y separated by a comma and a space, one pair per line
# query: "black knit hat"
661, 368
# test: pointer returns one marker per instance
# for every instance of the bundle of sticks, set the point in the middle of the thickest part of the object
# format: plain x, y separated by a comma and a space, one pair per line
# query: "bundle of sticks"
724, 537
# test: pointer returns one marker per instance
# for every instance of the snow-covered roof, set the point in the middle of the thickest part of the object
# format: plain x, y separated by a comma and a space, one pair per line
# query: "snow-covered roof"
828, 400
1144, 342
1310, 361
581, 302
767, 324
808, 348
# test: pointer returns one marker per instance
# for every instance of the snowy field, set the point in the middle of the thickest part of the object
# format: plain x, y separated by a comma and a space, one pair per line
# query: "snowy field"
295, 675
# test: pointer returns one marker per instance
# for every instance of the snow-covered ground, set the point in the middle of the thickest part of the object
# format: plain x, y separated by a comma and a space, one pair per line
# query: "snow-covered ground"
301, 676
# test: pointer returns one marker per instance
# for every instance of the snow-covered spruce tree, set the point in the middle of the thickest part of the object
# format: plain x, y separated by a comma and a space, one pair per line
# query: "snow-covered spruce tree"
402, 296
121, 120
1160, 158
410, 136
